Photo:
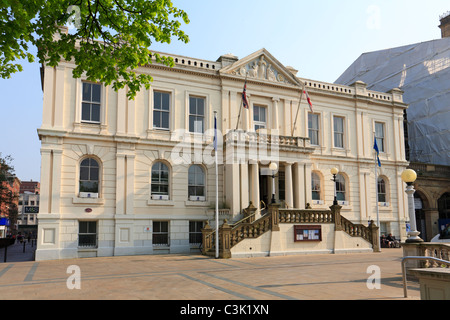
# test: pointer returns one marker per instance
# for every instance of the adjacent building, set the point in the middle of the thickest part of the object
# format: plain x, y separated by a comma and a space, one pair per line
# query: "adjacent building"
422, 71
129, 177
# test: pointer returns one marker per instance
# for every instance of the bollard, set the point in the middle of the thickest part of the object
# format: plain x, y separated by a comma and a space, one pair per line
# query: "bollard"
6, 251
24, 247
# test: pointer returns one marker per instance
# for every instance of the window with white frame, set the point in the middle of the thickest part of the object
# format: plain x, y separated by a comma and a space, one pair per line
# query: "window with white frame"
381, 190
196, 181
196, 114
379, 135
91, 101
259, 117
160, 234
160, 179
161, 110
315, 186
89, 175
195, 232
340, 187
87, 234
338, 127
313, 128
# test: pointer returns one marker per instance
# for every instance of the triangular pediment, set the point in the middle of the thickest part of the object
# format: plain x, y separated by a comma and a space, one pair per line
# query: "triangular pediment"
261, 66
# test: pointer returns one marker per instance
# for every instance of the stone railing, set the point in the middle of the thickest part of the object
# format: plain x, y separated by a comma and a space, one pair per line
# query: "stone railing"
266, 137
359, 230
248, 228
305, 216
433, 250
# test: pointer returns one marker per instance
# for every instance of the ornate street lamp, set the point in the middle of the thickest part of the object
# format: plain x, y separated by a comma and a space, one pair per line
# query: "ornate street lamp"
274, 167
409, 176
334, 172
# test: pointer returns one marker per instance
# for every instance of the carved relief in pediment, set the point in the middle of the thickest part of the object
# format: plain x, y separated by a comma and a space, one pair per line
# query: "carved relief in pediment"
262, 69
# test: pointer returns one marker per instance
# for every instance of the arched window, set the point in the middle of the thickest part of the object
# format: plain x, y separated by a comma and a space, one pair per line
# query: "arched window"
196, 181
89, 175
381, 190
340, 187
160, 179
315, 186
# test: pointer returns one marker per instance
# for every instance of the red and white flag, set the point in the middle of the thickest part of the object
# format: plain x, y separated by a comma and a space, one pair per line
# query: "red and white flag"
309, 100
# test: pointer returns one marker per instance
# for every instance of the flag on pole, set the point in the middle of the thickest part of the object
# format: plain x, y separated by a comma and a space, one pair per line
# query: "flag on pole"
375, 147
215, 132
244, 96
309, 100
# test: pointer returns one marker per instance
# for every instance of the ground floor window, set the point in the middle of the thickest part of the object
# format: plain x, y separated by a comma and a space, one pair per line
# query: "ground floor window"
160, 233
87, 234
195, 232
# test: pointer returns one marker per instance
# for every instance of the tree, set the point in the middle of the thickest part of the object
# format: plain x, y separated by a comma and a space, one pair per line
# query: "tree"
111, 38
8, 197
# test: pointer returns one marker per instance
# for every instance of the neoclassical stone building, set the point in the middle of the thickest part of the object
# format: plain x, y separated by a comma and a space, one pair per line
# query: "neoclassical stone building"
129, 177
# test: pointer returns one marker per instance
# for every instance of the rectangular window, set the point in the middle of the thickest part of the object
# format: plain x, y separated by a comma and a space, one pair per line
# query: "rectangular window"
160, 233
259, 117
161, 110
379, 135
90, 104
87, 234
195, 232
196, 115
313, 128
338, 125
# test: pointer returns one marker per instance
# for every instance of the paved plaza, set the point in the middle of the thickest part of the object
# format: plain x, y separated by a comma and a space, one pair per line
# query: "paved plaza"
196, 277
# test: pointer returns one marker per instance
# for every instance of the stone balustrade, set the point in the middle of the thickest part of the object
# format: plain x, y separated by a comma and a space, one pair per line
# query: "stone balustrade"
231, 235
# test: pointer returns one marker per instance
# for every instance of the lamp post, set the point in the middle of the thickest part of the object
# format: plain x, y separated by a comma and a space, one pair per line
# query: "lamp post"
409, 176
334, 172
274, 167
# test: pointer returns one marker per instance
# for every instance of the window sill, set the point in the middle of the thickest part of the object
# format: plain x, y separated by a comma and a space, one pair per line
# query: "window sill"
166, 203
93, 201
189, 203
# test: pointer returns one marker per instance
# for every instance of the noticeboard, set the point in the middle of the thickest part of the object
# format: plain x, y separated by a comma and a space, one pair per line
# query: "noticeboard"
307, 233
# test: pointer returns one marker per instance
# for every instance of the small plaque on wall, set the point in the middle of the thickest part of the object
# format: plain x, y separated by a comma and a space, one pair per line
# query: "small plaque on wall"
307, 233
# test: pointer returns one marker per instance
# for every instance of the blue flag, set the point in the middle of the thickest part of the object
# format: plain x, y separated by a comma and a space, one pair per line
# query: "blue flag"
215, 133
375, 146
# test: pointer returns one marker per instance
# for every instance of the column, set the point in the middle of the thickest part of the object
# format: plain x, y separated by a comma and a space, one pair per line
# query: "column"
299, 181
289, 185
120, 184
232, 187
121, 111
308, 190
254, 185
275, 113
244, 186
58, 108
48, 97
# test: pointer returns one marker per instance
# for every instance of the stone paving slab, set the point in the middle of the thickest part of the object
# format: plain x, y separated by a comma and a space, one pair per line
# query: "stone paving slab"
197, 278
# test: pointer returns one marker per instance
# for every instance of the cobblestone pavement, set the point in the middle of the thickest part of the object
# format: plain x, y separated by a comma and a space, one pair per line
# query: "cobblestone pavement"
196, 277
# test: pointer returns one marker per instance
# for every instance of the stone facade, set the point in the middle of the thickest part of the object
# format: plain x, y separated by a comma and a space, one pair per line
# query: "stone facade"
122, 177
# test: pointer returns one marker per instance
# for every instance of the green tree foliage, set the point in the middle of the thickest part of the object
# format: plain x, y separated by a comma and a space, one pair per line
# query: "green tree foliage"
109, 41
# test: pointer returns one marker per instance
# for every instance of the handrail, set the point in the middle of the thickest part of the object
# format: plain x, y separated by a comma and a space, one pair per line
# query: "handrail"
405, 290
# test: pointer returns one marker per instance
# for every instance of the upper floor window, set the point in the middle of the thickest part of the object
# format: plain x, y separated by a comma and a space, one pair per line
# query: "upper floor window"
91, 100
338, 125
89, 175
259, 117
196, 115
160, 179
313, 128
315, 186
379, 135
196, 181
161, 110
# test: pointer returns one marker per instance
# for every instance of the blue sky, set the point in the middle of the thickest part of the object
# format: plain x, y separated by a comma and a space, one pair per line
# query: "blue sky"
318, 38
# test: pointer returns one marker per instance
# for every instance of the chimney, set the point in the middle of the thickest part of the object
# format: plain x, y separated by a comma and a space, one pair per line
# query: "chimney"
445, 25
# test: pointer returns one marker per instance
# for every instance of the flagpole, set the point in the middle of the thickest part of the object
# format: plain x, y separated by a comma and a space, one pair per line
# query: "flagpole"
240, 108
217, 185
298, 109
376, 192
